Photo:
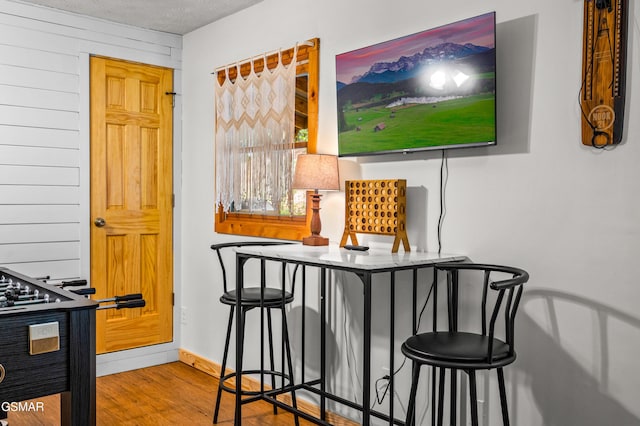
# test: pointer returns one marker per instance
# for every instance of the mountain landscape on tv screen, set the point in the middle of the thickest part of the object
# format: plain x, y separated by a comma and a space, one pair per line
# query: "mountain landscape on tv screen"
408, 66
386, 82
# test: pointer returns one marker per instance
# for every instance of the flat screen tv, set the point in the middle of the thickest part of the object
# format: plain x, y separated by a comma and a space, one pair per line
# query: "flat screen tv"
435, 89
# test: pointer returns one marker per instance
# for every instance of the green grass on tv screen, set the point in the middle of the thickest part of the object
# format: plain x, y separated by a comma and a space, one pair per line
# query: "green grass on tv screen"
418, 126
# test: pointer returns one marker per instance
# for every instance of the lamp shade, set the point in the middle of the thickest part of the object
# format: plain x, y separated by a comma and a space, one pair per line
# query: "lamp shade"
316, 171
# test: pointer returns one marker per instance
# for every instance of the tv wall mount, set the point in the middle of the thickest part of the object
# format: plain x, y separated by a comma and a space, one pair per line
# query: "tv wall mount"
602, 94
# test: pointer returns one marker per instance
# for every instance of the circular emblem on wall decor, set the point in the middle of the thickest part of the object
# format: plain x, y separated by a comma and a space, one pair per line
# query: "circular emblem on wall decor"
2, 373
602, 117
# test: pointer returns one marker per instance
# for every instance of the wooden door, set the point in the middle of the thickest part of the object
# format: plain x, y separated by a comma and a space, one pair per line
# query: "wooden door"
131, 200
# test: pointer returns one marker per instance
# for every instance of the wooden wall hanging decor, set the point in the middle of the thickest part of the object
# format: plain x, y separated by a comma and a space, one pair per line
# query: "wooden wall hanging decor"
376, 207
602, 93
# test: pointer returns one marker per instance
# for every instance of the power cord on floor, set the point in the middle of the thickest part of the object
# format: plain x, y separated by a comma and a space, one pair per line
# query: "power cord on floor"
385, 387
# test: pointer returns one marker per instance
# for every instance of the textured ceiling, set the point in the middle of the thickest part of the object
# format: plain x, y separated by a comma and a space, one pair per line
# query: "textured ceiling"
173, 16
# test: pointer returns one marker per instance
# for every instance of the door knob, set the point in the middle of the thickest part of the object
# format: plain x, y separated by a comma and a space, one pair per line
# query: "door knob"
99, 222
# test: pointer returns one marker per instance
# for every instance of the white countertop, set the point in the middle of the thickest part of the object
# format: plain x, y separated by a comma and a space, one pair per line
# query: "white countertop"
334, 256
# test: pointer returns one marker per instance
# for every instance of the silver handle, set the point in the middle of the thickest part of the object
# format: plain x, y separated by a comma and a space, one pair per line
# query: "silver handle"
99, 222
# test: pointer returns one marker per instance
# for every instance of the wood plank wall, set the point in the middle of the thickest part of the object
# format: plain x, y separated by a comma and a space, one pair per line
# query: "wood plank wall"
44, 135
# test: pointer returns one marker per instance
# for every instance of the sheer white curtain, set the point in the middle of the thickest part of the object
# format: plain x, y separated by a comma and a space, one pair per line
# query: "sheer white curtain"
255, 132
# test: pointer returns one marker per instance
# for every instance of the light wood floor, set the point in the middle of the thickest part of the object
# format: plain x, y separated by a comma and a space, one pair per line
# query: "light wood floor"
169, 394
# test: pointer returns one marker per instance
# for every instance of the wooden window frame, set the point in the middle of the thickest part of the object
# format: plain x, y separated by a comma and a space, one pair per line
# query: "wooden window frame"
279, 227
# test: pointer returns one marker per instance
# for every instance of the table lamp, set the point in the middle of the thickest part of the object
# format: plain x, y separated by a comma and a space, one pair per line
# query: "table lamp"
316, 172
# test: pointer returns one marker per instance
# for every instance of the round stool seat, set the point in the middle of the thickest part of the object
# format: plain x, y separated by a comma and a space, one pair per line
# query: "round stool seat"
251, 297
460, 350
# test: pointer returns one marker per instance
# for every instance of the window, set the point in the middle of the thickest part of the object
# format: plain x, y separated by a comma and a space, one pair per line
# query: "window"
252, 172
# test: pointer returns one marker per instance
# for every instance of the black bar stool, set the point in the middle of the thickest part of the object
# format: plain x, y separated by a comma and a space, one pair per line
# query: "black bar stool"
272, 298
468, 350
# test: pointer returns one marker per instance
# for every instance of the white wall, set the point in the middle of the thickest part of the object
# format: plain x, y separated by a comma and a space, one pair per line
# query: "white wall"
540, 200
44, 129
44, 136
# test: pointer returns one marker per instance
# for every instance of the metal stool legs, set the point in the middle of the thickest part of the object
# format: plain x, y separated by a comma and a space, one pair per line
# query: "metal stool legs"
224, 366
503, 397
411, 407
271, 356
473, 396
290, 366
441, 396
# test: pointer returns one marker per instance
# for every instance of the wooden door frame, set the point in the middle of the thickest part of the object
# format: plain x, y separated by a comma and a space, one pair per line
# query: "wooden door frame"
110, 363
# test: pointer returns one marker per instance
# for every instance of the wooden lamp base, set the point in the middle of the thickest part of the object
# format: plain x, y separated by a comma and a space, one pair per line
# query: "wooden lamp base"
315, 239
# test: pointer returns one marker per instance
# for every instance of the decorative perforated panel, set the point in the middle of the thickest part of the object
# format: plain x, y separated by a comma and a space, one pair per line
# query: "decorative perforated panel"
376, 207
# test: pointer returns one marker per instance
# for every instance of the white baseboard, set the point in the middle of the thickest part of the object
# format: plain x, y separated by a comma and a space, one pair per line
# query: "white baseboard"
133, 359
